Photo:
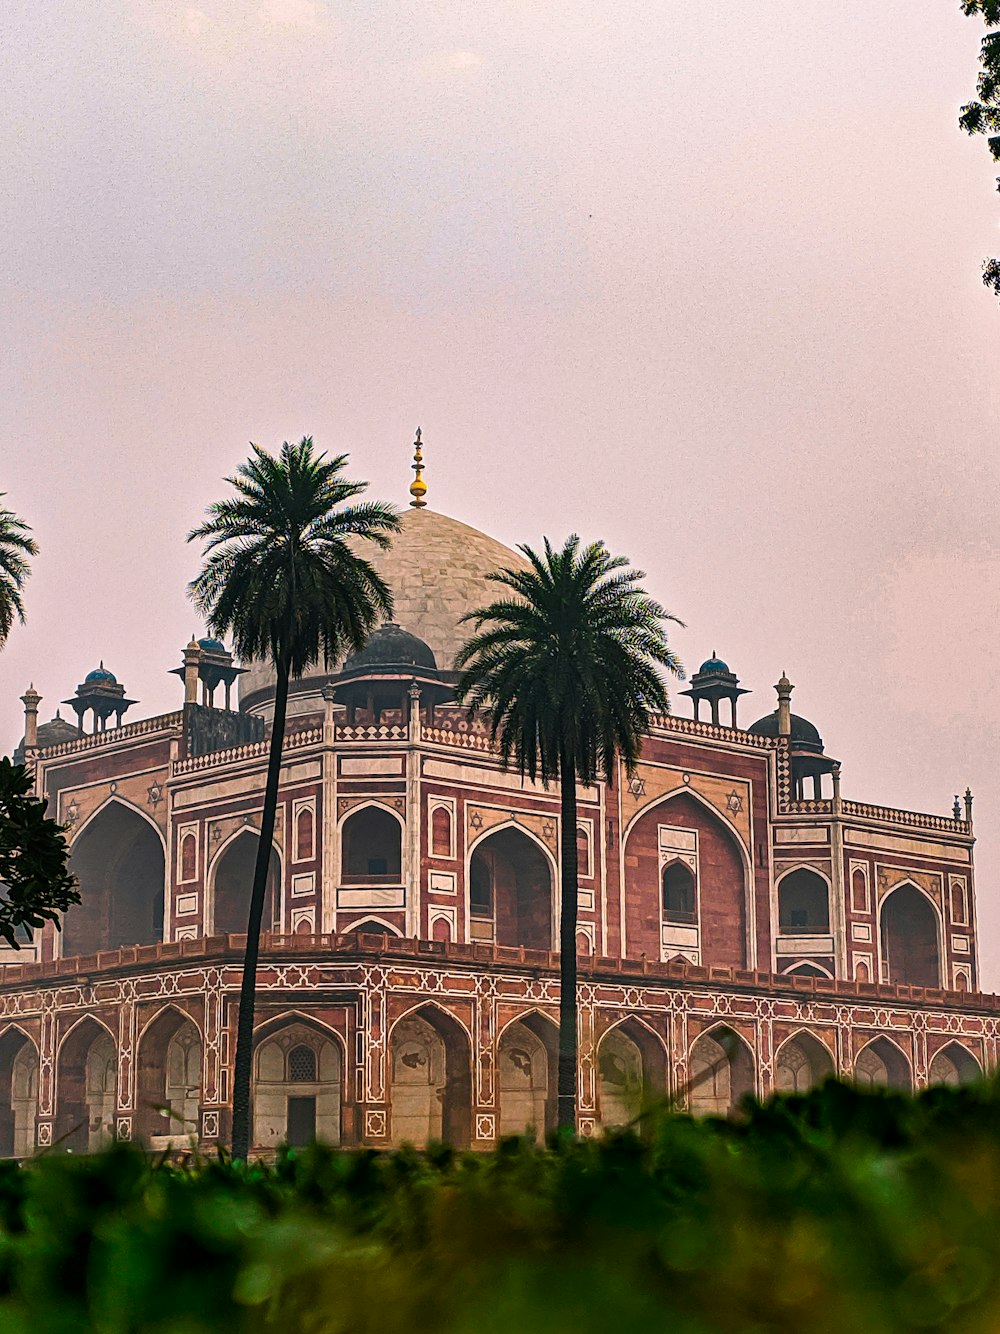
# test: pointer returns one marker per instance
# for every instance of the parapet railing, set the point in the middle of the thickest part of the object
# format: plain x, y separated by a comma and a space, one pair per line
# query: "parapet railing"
251, 750
944, 824
94, 968
165, 722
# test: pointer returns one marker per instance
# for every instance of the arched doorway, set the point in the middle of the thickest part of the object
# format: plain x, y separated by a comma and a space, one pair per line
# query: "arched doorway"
18, 1094
118, 858
169, 1080
86, 1088
371, 848
631, 1074
431, 1084
954, 1065
527, 1073
882, 1065
801, 1063
510, 891
297, 1088
803, 904
721, 1073
910, 938
232, 885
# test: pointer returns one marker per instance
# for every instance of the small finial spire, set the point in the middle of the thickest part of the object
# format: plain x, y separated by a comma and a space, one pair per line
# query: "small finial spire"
418, 487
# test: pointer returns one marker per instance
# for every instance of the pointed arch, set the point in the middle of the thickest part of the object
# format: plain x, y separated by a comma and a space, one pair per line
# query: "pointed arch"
683, 790
910, 936
954, 1064
380, 927
19, 1067
511, 888
722, 1071
265, 1028
119, 856
298, 1082
117, 800
86, 1085
527, 1065
803, 901
807, 968
631, 1059
371, 844
801, 1062
169, 1053
227, 905
881, 1063
430, 1077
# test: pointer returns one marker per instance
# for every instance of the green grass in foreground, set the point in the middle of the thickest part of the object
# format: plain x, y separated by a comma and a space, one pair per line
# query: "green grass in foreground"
841, 1211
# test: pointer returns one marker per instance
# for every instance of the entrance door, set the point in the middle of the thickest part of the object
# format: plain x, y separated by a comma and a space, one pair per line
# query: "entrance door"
301, 1121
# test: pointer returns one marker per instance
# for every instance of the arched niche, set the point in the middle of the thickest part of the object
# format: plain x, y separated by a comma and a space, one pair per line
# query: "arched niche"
298, 1082
371, 847
631, 1073
511, 891
680, 896
86, 1088
881, 1064
118, 858
441, 832
909, 929
18, 1094
232, 885
526, 1077
169, 1080
801, 1063
721, 1073
722, 909
430, 1080
803, 904
954, 1065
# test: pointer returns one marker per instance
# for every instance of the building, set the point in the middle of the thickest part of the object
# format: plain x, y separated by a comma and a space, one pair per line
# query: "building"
743, 925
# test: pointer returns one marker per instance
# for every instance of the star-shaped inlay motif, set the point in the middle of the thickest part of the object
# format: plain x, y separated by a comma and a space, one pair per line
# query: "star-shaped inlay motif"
154, 795
735, 802
548, 829
476, 820
637, 786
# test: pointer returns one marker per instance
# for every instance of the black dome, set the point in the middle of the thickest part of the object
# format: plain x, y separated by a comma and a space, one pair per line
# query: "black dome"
392, 646
805, 735
52, 733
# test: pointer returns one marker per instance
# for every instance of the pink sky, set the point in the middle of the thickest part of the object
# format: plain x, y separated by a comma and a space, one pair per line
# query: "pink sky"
702, 282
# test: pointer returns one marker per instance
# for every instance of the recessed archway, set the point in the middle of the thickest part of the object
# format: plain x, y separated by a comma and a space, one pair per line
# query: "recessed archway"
169, 1080
431, 1079
371, 847
86, 1088
631, 1073
18, 1094
881, 1064
954, 1065
118, 858
526, 1076
232, 885
803, 904
511, 891
801, 1063
909, 929
298, 1080
722, 1073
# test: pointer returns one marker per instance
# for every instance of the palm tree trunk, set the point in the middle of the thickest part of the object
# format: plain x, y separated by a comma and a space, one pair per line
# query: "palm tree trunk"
248, 987
566, 1119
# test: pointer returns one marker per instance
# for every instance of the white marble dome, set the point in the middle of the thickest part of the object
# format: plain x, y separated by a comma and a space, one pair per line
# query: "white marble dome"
436, 568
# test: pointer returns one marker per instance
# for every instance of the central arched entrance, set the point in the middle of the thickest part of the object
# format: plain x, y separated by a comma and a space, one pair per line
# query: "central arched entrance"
910, 938
232, 885
118, 858
297, 1087
510, 891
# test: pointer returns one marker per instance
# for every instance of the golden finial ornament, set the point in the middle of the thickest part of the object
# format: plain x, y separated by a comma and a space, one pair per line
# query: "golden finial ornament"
418, 487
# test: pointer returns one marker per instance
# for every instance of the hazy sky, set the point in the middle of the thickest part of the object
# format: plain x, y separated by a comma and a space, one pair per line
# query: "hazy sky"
700, 280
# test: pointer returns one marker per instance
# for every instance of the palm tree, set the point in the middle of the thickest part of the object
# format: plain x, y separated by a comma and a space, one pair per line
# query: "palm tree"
566, 668
15, 547
282, 576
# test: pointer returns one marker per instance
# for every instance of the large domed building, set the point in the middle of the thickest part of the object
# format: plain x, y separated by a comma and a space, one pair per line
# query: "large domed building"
743, 925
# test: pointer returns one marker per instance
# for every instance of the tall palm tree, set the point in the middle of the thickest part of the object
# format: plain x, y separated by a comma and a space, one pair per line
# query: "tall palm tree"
16, 545
282, 576
567, 668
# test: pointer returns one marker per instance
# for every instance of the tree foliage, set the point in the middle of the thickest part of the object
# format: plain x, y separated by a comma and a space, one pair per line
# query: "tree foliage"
36, 885
16, 545
982, 116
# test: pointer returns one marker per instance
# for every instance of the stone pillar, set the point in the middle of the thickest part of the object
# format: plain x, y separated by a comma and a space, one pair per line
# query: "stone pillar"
784, 689
968, 808
192, 660
31, 700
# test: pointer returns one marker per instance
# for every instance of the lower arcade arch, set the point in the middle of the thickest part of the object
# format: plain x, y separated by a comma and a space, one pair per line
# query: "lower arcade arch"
631, 1073
168, 1078
232, 885
118, 859
802, 1062
298, 1082
954, 1065
721, 1073
430, 1079
527, 1076
881, 1064
18, 1094
511, 889
86, 1088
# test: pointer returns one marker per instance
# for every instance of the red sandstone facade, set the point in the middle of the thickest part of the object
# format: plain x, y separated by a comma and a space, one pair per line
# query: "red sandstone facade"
734, 935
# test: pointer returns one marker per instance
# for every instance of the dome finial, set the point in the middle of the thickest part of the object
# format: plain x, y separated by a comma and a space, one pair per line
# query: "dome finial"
418, 487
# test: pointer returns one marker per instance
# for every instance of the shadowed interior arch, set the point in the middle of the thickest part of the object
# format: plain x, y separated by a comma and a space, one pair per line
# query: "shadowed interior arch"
721, 1073
169, 1079
18, 1094
431, 1079
910, 938
232, 885
119, 861
510, 891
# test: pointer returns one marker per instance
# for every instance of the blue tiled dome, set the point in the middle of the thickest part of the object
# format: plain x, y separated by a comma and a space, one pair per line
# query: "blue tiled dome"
714, 665
212, 645
100, 676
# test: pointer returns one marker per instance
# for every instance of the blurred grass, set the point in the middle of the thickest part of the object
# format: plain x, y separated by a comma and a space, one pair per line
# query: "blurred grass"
839, 1211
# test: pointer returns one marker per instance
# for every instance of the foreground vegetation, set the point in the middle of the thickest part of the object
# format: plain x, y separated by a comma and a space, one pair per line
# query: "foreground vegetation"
838, 1211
